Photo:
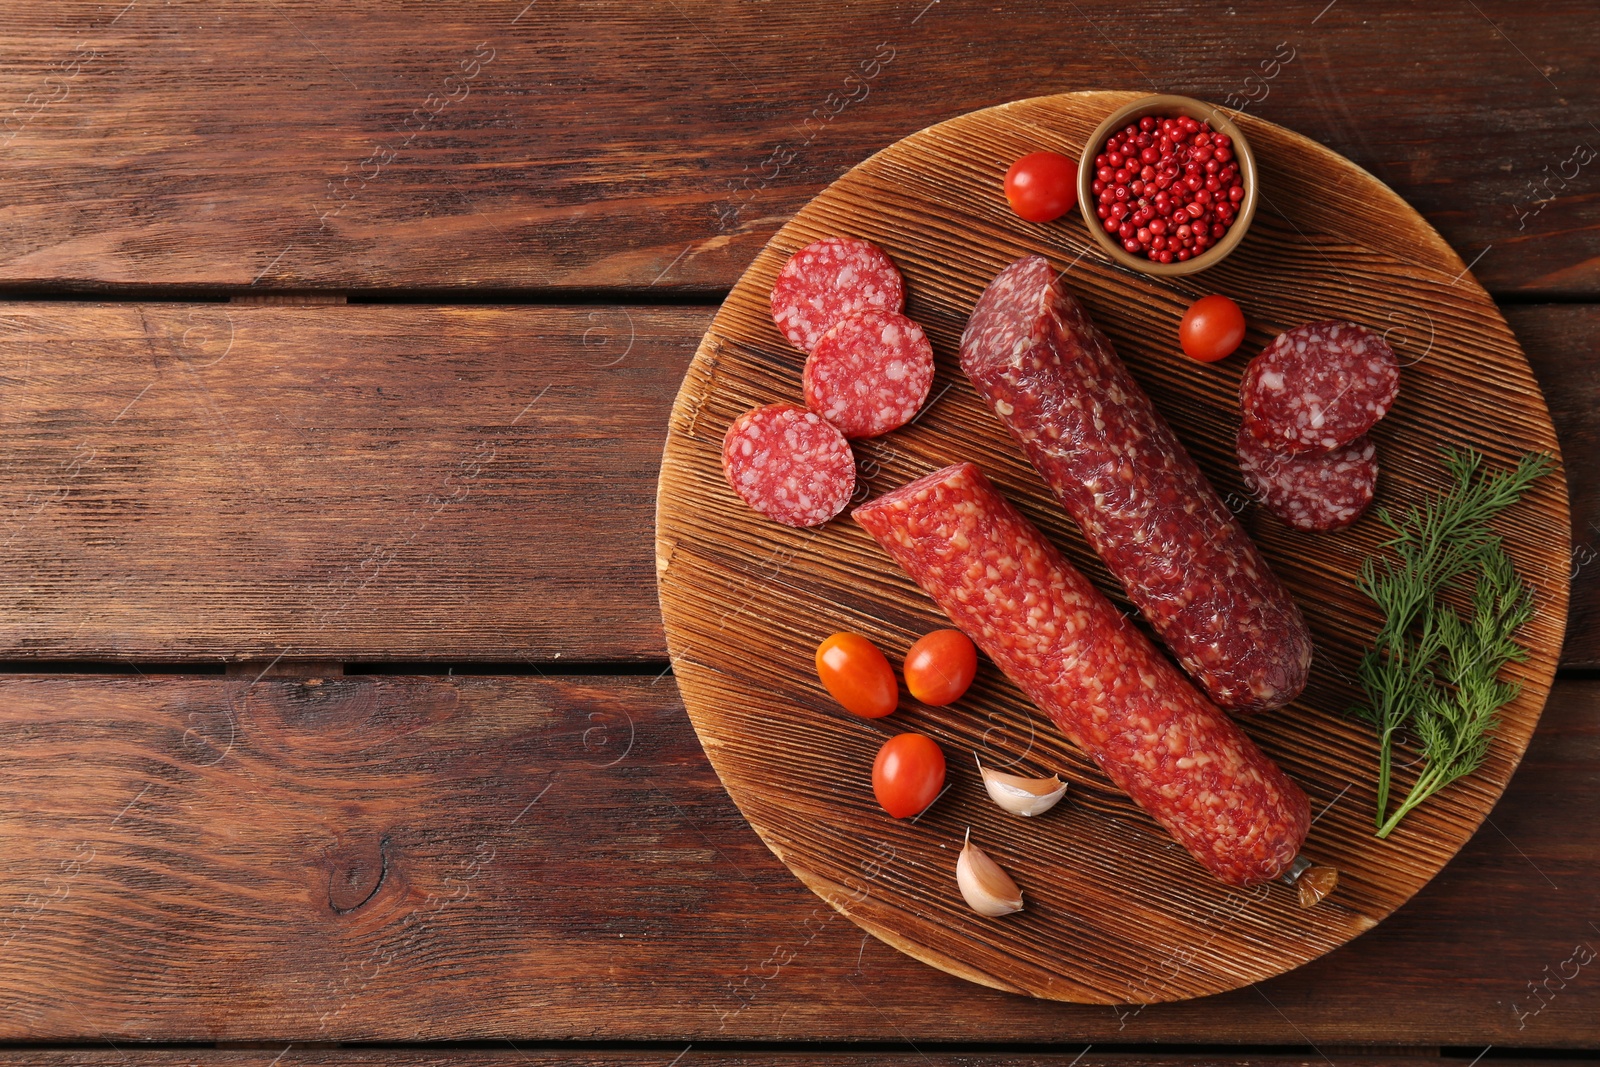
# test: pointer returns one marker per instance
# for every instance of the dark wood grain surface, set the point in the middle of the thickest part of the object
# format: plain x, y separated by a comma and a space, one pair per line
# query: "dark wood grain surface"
193, 858
368, 145
370, 858
513, 1054
208, 481
215, 481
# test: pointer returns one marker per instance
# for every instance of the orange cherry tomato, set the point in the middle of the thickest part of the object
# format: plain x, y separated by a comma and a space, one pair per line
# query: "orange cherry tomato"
1042, 186
1211, 329
908, 774
940, 666
858, 675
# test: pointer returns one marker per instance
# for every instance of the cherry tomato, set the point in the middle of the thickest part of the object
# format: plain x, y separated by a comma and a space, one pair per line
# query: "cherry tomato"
908, 774
940, 666
858, 675
1211, 329
1042, 186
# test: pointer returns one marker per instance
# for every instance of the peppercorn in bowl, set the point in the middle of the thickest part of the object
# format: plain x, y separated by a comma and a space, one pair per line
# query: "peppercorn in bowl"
1167, 185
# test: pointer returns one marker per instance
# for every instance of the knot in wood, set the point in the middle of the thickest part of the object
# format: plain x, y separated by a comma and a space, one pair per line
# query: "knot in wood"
356, 870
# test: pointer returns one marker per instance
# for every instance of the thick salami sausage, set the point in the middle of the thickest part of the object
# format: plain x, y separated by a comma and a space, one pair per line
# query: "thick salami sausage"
870, 373
1093, 673
789, 464
828, 280
1318, 387
1314, 491
1144, 506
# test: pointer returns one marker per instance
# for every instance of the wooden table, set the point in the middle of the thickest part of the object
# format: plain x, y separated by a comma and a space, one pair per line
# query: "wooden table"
338, 346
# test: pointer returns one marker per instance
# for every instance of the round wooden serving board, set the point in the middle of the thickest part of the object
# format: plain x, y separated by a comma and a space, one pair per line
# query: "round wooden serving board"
1116, 912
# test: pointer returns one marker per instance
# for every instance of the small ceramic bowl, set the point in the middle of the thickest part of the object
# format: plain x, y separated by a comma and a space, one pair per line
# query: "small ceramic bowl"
1165, 106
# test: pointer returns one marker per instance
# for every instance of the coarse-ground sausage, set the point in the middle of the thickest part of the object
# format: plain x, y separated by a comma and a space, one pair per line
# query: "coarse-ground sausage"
1315, 491
828, 280
789, 464
1141, 502
1318, 387
1093, 672
870, 373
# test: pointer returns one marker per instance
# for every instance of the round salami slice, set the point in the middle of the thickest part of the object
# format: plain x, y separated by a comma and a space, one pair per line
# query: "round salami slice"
789, 464
1311, 490
870, 373
1318, 387
829, 280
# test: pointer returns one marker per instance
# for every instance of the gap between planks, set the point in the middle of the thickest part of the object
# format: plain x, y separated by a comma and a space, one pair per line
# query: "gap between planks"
323, 667
314, 667
503, 297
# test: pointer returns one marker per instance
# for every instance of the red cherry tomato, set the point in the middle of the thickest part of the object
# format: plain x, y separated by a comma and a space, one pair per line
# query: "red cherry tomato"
908, 774
940, 666
858, 675
1211, 329
1042, 186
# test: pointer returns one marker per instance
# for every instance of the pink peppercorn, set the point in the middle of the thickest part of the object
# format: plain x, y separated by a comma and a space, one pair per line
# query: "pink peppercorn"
1168, 187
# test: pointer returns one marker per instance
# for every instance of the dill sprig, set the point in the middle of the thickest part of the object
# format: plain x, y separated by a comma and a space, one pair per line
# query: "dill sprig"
1427, 665
1454, 719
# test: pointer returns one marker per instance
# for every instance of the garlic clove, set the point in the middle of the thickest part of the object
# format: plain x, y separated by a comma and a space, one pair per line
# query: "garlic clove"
987, 889
1022, 796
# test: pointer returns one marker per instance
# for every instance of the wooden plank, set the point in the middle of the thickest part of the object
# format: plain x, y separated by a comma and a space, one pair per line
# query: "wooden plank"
522, 1056
206, 481
399, 859
1559, 342
354, 146
200, 481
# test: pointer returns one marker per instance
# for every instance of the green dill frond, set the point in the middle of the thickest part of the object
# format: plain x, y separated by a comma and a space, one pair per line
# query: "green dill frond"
1430, 669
